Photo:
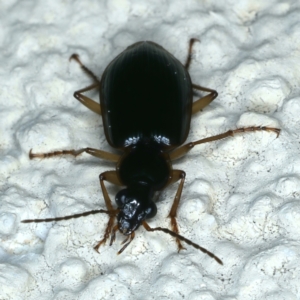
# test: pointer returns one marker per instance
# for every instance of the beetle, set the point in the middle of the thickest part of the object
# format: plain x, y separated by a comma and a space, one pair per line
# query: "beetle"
146, 104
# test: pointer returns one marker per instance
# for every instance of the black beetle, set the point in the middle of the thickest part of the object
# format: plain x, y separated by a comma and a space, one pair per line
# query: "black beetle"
146, 102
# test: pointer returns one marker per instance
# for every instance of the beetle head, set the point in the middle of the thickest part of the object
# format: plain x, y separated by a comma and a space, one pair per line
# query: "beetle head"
135, 205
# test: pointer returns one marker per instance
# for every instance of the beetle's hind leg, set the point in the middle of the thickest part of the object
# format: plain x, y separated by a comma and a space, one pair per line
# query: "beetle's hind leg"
84, 68
203, 101
86, 101
190, 53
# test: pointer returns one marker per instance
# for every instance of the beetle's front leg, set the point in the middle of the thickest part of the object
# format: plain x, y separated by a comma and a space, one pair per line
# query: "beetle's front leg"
110, 176
86, 101
176, 175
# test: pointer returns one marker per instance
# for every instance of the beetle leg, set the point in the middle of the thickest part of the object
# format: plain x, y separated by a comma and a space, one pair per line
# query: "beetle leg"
110, 176
179, 152
176, 175
189, 57
113, 234
84, 68
107, 232
204, 101
86, 101
95, 152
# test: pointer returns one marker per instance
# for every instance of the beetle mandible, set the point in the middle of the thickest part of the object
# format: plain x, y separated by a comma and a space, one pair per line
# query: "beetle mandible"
146, 103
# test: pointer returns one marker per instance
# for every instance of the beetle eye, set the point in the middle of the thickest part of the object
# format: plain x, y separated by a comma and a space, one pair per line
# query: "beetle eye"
151, 210
122, 198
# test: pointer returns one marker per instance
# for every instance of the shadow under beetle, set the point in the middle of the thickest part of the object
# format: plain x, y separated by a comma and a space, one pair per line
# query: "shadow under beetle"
146, 103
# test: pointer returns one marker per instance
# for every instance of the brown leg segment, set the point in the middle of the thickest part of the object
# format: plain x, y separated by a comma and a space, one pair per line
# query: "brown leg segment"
110, 176
189, 57
181, 151
94, 152
86, 101
84, 68
204, 101
176, 175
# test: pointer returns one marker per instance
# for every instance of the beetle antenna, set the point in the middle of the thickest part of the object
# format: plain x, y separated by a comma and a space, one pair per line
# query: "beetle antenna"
182, 238
87, 213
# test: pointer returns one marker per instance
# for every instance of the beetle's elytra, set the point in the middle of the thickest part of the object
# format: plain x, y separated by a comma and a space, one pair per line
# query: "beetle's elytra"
146, 103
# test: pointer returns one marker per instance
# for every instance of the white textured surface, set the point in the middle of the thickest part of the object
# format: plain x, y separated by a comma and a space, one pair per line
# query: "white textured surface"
242, 195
